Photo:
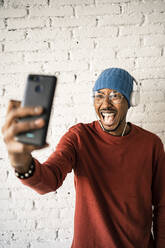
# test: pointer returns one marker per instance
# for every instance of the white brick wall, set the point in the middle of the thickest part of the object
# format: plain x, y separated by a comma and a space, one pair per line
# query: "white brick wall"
76, 40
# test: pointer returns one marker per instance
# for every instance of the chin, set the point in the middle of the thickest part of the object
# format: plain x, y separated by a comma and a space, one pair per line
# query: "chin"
111, 127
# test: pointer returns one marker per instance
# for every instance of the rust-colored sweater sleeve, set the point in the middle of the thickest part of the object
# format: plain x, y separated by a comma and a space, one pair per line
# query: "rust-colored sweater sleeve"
158, 189
55, 168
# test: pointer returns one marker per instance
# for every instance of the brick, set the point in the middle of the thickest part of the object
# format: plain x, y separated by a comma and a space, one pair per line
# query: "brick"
137, 117
153, 84
70, 2
66, 66
48, 34
78, 43
1, 48
61, 11
46, 233
65, 233
4, 194
50, 244
152, 96
85, 43
9, 13
119, 42
145, 7
4, 204
25, 3
98, 10
154, 40
2, 24
15, 78
152, 62
65, 77
44, 56
154, 127
98, 64
155, 117
156, 108
123, 19
19, 244
10, 225
16, 68
156, 17
77, 54
110, 1
96, 32
26, 23
145, 29
7, 58
80, 54
140, 52
25, 46
90, 75
7, 214
150, 84
42, 203
14, 35
73, 21
65, 212
149, 73
160, 84
24, 193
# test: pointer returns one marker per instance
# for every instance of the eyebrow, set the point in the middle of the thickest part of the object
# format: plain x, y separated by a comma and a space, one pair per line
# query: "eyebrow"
114, 91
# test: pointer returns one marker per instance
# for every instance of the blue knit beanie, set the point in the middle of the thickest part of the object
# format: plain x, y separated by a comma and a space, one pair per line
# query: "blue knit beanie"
115, 79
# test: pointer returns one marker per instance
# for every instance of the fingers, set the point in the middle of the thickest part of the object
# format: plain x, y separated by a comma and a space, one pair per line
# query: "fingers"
21, 112
13, 104
19, 152
20, 127
15, 147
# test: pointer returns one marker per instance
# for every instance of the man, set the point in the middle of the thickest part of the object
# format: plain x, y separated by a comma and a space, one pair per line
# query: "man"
119, 169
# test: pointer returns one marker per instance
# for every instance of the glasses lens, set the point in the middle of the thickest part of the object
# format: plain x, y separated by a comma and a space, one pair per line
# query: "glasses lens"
114, 97
99, 97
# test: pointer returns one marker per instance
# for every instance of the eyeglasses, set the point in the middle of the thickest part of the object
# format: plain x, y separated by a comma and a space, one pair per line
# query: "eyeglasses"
114, 97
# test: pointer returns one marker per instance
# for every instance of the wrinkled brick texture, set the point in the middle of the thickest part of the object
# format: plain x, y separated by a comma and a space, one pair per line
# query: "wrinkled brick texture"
75, 40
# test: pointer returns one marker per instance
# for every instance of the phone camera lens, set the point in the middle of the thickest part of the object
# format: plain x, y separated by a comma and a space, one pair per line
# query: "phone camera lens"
34, 78
38, 88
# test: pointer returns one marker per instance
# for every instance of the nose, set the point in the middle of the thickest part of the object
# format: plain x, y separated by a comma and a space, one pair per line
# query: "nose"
107, 102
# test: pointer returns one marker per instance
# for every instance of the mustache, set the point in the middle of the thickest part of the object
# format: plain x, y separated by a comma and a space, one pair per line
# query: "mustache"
108, 109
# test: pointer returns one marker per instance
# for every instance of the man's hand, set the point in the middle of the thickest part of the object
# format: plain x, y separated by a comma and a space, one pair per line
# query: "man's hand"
19, 153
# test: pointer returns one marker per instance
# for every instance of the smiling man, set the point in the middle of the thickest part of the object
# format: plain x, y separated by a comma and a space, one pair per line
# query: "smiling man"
111, 99
119, 170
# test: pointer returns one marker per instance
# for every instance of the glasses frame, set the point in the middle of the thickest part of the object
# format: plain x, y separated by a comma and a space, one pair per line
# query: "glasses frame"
110, 95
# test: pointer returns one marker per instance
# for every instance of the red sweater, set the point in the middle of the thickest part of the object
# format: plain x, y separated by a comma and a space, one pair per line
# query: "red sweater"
117, 180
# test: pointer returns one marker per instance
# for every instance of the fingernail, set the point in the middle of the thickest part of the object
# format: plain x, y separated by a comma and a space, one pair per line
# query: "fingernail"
15, 138
38, 109
38, 121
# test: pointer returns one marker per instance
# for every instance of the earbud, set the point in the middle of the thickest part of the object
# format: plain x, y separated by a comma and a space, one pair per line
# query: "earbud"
135, 95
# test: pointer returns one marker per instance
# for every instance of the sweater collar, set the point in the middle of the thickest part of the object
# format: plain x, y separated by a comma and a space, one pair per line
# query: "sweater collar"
112, 138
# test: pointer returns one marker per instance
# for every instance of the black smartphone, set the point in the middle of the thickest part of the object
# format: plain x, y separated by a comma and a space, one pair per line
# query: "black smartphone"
39, 91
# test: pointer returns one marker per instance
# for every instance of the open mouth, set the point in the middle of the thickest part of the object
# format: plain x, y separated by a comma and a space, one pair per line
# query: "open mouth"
108, 117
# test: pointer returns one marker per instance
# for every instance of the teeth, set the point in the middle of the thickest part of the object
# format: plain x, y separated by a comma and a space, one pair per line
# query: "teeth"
108, 118
107, 114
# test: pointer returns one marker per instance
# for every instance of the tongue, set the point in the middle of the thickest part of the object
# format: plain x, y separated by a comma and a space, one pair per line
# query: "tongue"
109, 118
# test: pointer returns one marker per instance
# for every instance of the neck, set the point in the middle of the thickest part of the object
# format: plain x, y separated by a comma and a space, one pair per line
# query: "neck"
121, 130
